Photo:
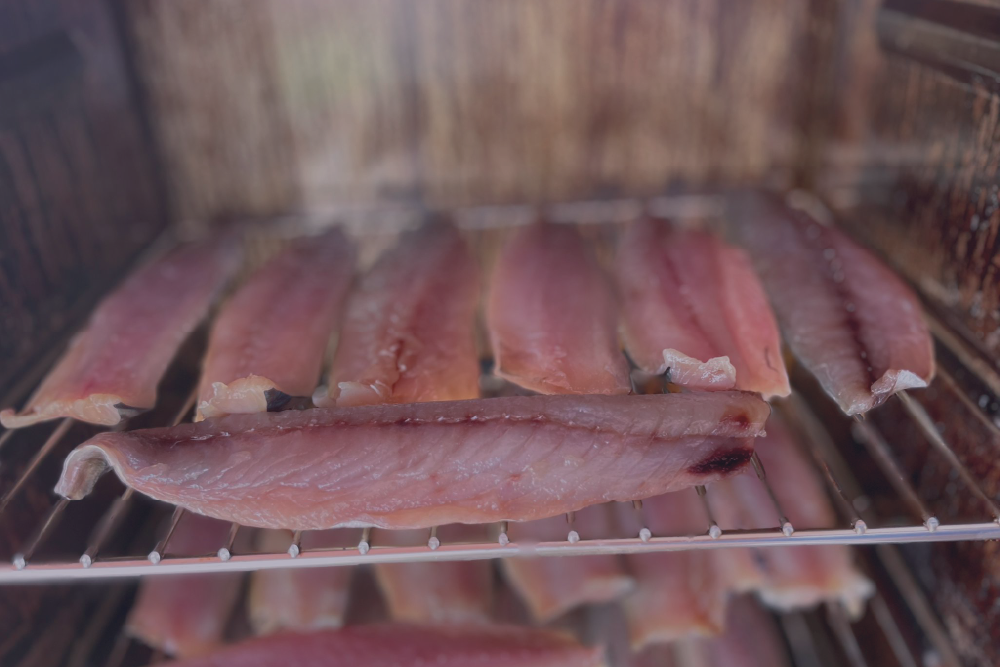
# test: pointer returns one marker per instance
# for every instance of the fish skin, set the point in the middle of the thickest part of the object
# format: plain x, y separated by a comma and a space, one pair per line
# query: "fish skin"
186, 614
552, 316
113, 367
840, 309
273, 333
397, 645
550, 587
793, 577
454, 592
409, 331
516, 458
694, 305
678, 594
298, 598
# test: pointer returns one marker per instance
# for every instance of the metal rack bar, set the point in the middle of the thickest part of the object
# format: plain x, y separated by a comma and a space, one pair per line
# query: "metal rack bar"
54, 438
156, 555
20, 560
758, 467
930, 431
845, 635
880, 610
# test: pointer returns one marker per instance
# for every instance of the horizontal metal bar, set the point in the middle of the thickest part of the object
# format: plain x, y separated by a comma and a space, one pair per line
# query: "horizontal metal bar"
117, 568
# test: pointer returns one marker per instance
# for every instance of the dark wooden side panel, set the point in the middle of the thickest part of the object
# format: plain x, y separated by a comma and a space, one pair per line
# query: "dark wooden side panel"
78, 201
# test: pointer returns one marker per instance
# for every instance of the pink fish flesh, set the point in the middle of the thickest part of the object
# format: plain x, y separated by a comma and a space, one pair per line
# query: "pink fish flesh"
849, 319
186, 614
112, 368
268, 342
552, 316
398, 645
750, 640
693, 306
409, 331
421, 465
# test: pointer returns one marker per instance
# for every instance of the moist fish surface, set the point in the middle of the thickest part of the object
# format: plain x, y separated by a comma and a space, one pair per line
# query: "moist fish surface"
457, 592
552, 316
693, 306
409, 645
268, 342
550, 587
113, 367
186, 614
298, 598
849, 319
677, 594
792, 577
421, 465
409, 330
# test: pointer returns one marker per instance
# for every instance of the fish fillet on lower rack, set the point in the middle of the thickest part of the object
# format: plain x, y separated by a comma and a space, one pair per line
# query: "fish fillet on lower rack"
298, 599
398, 645
436, 592
790, 577
550, 587
186, 614
750, 639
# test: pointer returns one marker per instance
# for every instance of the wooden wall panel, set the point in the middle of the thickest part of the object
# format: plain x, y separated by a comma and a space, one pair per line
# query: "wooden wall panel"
263, 105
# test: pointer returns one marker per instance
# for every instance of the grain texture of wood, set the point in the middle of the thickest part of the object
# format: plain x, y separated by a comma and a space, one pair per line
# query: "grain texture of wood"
265, 105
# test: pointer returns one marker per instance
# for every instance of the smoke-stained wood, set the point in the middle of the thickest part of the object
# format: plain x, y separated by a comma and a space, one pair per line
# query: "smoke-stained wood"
263, 105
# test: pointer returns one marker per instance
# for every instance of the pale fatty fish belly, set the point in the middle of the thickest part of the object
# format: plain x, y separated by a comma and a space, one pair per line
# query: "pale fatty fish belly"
420, 465
455, 592
113, 367
409, 329
550, 587
298, 598
270, 337
849, 319
186, 614
396, 645
793, 577
694, 306
678, 594
552, 316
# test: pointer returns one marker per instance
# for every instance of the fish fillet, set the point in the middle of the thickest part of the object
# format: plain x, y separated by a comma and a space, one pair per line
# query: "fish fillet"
409, 331
550, 587
112, 368
421, 465
268, 342
398, 645
444, 592
795, 576
298, 599
186, 614
850, 320
678, 594
693, 306
552, 316
751, 639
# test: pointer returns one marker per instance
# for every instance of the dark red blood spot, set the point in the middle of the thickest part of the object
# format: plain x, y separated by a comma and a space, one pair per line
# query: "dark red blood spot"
740, 420
722, 462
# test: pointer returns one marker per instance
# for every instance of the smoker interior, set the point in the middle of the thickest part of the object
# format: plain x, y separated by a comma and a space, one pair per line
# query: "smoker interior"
124, 125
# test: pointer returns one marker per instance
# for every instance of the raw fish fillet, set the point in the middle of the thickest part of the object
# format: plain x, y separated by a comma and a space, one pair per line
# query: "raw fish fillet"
298, 599
678, 594
797, 576
550, 587
409, 332
850, 320
186, 614
694, 306
112, 368
456, 592
408, 645
552, 316
750, 640
268, 342
420, 465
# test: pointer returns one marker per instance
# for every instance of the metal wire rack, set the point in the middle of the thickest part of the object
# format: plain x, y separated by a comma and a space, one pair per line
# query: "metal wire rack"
860, 529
